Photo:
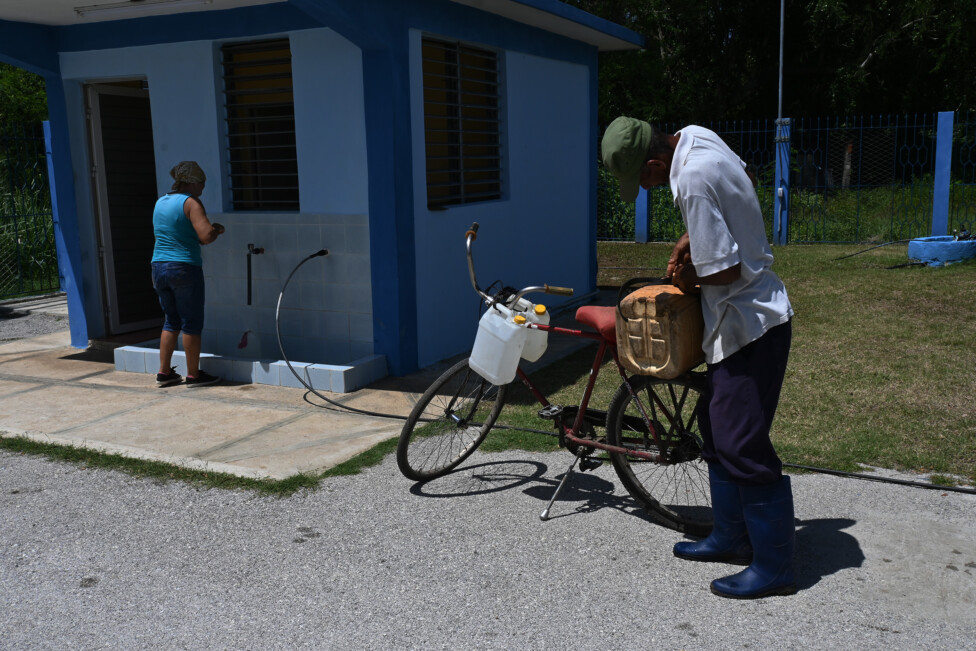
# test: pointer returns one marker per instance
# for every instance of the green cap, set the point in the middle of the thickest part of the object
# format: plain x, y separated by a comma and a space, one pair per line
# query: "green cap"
625, 144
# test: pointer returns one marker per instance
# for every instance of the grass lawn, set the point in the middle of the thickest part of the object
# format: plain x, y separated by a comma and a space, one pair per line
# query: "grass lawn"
881, 370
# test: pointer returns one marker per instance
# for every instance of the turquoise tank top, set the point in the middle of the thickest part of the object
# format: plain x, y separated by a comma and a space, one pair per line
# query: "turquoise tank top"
176, 239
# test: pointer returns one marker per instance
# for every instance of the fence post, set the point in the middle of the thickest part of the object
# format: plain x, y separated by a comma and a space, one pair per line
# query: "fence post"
943, 174
781, 203
640, 217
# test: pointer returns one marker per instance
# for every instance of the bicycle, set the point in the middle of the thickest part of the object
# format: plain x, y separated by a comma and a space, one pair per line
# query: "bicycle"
651, 425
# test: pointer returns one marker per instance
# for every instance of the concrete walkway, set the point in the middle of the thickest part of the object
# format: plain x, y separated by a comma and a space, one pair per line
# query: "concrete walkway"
53, 393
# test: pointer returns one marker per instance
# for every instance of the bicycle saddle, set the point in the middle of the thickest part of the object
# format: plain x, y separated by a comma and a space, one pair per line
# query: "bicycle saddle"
601, 318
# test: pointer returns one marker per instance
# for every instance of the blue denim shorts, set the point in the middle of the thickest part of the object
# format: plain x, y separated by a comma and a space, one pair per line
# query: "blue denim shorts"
181, 295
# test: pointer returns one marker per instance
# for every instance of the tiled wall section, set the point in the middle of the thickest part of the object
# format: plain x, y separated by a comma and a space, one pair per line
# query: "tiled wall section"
326, 313
323, 377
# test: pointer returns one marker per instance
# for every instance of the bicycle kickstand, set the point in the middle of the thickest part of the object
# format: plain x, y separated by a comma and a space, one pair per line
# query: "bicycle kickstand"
545, 514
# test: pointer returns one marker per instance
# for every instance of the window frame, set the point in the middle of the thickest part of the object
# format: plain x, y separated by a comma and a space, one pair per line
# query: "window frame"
256, 183
462, 88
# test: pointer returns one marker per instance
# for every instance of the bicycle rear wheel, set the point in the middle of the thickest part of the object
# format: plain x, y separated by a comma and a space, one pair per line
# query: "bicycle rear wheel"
676, 493
448, 423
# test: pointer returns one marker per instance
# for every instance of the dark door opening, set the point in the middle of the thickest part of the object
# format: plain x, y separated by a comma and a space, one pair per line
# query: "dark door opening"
124, 180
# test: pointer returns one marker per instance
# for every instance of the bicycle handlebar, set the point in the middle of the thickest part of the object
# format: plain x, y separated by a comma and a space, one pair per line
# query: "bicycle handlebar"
561, 291
470, 236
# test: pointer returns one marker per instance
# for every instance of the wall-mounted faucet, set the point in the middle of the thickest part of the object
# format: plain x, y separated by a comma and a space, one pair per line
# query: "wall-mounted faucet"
251, 250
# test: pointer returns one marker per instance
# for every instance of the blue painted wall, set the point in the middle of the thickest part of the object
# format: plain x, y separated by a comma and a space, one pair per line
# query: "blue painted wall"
538, 232
328, 318
357, 80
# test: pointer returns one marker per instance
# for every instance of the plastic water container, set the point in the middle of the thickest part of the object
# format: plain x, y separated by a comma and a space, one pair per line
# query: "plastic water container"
659, 331
498, 345
536, 341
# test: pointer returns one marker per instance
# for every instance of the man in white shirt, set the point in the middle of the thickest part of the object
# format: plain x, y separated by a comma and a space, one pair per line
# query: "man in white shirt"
746, 342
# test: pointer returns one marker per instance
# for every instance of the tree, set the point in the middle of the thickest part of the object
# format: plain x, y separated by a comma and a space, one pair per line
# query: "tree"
710, 60
22, 96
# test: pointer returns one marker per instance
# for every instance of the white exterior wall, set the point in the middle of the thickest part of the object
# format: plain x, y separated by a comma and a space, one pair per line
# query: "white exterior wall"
327, 315
547, 181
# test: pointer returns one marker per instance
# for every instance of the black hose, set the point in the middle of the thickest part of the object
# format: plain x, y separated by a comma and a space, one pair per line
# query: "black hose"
851, 255
884, 480
281, 348
364, 412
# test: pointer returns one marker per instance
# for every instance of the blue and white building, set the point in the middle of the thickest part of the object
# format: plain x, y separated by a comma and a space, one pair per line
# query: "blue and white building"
376, 129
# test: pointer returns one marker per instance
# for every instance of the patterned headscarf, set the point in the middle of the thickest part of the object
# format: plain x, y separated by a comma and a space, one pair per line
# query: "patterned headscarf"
187, 172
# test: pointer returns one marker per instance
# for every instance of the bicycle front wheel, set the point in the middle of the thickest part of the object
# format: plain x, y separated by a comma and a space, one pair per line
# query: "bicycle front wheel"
675, 491
448, 423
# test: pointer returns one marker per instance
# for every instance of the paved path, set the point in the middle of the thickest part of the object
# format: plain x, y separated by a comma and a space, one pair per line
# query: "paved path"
51, 392
99, 559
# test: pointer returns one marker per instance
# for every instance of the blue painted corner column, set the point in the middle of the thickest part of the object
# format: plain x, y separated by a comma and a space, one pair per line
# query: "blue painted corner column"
781, 203
943, 174
65, 213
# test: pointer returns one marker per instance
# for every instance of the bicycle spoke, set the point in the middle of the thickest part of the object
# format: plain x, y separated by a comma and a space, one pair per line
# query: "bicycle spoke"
675, 491
448, 423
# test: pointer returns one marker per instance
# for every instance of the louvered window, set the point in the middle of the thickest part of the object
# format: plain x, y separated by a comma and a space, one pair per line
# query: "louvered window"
461, 123
260, 112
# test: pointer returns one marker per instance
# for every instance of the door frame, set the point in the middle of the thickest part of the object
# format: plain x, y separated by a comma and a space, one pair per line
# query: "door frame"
100, 208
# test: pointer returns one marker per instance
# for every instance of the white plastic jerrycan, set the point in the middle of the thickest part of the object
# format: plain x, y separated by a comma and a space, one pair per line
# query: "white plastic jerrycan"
498, 345
536, 341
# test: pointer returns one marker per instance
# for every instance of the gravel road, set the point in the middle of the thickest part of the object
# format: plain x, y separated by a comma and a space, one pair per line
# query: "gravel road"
18, 324
99, 559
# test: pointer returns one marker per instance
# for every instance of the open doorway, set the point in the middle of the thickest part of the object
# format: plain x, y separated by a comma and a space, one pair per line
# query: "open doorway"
124, 187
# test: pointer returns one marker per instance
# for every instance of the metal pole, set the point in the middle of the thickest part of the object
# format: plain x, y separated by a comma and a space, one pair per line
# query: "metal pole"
782, 11
781, 202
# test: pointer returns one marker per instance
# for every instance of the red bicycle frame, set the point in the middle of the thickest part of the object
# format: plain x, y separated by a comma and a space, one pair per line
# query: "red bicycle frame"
571, 433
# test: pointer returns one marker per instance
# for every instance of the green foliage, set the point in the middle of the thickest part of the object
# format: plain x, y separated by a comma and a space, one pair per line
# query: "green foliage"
28, 258
615, 217
22, 96
881, 214
28, 261
704, 60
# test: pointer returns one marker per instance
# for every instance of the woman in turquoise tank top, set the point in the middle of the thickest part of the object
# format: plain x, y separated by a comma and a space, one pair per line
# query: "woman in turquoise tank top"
180, 225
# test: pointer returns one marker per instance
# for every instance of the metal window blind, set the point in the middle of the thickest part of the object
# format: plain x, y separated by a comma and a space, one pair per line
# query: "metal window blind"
260, 117
461, 123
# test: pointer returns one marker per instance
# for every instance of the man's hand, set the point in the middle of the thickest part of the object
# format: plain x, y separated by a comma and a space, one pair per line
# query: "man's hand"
680, 255
686, 278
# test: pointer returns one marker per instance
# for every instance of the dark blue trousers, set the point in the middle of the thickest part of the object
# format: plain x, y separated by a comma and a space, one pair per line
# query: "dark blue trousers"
743, 391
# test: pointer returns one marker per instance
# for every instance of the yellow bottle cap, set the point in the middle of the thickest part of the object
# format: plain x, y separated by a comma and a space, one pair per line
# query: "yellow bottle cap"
519, 319
540, 309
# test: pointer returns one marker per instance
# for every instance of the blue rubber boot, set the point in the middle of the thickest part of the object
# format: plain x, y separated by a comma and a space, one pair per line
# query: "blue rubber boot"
729, 540
768, 511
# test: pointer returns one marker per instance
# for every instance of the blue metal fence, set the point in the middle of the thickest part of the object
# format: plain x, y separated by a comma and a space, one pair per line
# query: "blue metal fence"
28, 258
660, 221
851, 180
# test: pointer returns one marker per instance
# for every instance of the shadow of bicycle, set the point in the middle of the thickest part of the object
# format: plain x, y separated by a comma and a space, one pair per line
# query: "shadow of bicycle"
584, 492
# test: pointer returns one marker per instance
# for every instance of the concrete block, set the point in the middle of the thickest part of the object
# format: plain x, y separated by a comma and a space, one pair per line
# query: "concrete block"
179, 362
219, 366
342, 379
287, 379
320, 376
119, 356
265, 372
243, 370
135, 359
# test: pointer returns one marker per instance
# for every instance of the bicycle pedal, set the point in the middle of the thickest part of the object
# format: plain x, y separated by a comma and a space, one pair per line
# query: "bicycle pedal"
589, 464
551, 412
